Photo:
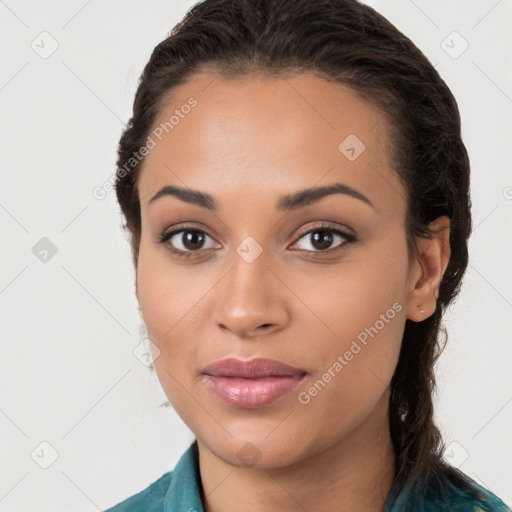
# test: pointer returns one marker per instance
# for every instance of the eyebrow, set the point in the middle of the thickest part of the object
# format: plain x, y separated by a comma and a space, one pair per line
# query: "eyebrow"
288, 202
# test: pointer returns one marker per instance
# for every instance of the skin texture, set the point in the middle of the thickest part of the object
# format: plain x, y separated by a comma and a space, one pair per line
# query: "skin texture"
247, 142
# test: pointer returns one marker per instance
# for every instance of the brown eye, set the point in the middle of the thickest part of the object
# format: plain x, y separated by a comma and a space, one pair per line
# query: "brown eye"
192, 240
321, 239
185, 242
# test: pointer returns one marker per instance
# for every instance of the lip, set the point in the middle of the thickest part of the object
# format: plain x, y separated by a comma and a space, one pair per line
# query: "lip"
251, 384
252, 369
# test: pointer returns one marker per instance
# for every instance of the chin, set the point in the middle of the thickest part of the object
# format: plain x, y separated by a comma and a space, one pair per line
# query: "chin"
256, 451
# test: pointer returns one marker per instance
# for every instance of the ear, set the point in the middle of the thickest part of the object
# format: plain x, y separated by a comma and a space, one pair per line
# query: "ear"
427, 269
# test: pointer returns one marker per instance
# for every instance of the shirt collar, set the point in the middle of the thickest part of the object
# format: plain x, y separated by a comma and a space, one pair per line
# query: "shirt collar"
184, 493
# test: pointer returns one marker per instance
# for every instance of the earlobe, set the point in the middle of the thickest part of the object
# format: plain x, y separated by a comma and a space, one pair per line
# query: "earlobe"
427, 271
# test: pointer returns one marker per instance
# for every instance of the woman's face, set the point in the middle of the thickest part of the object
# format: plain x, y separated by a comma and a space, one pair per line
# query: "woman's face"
263, 274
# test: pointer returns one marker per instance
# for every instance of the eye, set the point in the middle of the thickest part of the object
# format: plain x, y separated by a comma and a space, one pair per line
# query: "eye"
189, 241
321, 238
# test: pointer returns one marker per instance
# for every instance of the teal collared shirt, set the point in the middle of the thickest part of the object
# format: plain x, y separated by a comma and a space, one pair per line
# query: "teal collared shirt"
175, 491
180, 491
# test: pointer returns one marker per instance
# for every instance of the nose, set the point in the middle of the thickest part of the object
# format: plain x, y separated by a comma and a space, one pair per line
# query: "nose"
251, 300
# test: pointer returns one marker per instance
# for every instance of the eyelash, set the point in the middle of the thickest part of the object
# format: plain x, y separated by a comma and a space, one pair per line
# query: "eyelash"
349, 239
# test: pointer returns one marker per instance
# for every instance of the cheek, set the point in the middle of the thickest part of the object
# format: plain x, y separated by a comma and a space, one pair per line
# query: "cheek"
167, 302
165, 291
365, 291
354, 367
362, 314
164, 299
173, 299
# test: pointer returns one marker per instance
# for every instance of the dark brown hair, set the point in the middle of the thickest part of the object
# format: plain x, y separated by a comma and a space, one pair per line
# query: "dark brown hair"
350, 43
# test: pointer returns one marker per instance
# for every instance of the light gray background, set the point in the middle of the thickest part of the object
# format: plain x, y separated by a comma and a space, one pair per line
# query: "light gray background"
70, 325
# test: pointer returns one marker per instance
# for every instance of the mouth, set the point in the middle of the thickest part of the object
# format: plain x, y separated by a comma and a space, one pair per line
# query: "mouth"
251, 384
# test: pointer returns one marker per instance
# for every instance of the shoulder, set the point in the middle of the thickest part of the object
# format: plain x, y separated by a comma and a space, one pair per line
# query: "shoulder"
150, 499
179, 489
465, 494
445, 488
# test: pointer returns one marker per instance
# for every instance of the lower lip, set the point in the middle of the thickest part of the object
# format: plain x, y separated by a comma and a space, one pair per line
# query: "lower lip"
252, 393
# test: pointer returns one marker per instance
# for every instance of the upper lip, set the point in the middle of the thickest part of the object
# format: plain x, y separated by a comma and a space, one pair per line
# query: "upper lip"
251, 369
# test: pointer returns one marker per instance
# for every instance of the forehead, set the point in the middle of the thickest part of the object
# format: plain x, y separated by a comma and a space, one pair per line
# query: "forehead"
254, 135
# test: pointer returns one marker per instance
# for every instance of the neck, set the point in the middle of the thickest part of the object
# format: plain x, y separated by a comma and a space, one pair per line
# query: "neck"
354, 474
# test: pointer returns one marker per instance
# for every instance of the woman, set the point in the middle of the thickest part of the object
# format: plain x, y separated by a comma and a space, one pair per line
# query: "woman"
297, 193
